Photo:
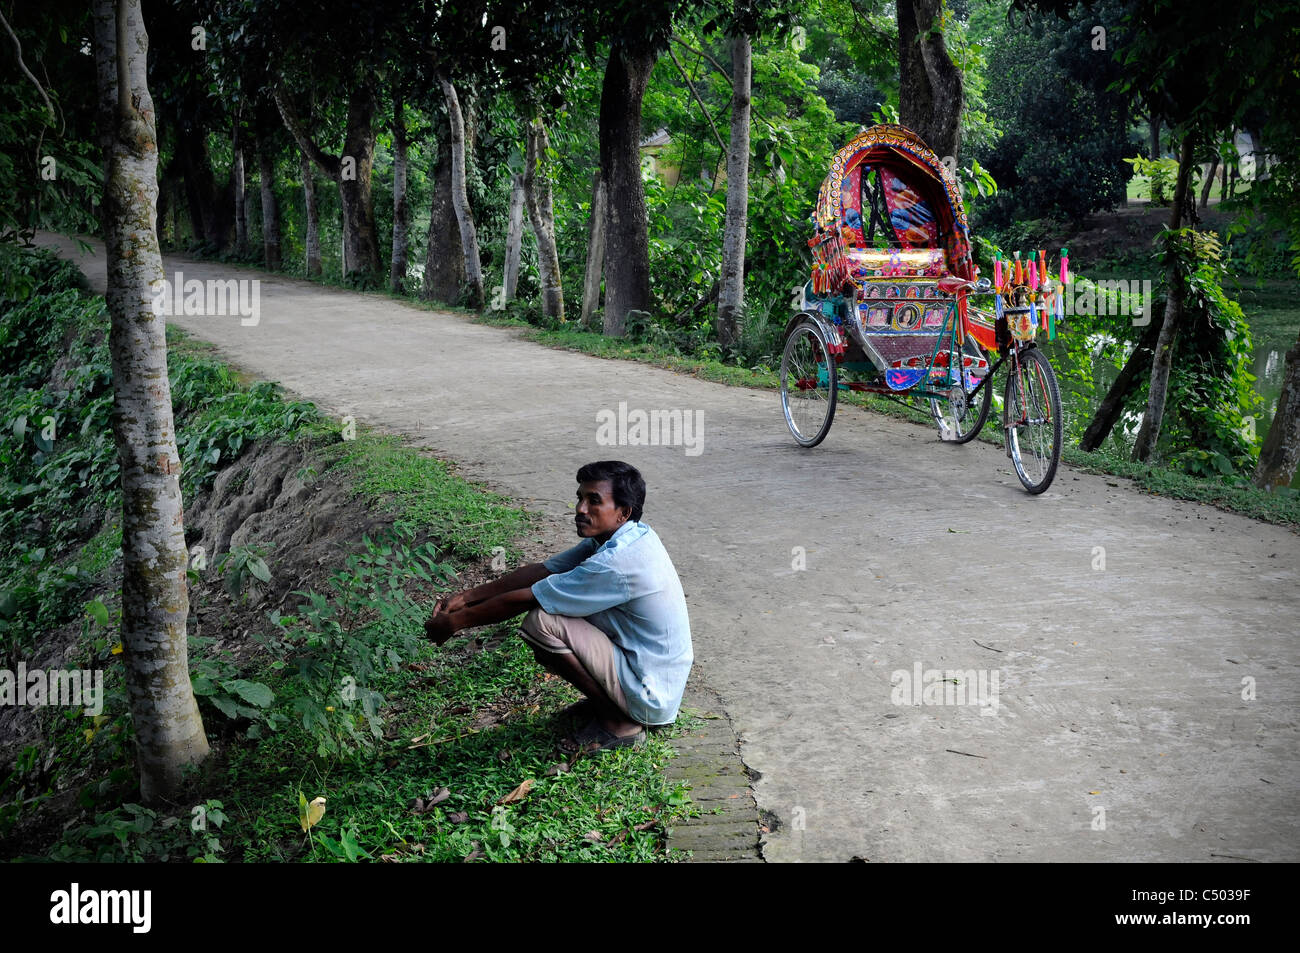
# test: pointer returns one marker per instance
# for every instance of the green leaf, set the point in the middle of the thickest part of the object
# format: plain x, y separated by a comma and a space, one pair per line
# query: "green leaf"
255, 693
331, 845
202, 685
97, 611
351, 848
258, 568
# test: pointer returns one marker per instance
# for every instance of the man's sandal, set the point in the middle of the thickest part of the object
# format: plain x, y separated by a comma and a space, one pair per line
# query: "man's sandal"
592, 738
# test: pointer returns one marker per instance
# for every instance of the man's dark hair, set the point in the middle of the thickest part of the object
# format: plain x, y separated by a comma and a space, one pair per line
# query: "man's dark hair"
628, 484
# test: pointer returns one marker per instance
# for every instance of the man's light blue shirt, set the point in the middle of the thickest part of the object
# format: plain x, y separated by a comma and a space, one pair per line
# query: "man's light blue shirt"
629, 590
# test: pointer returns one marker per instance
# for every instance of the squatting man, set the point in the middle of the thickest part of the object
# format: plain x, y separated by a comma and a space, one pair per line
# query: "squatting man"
608, 615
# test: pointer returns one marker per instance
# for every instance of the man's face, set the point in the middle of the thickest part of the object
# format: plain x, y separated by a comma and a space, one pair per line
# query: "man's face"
595, 515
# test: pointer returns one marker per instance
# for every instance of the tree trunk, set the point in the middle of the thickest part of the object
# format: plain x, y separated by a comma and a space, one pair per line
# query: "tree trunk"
930, 94
239, 179
270, 208
731, 295
164, 215
168, 730
1155, 136
1149, 433
541, 213
1281, 451
1235, 174
627, 268
444, 260
313, 214
514, 238
176, 217
360, 237
401, 212
1209, 183
460, 197
1112, 405
595, 251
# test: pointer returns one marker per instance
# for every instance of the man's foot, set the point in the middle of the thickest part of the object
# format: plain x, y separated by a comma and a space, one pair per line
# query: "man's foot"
596, 735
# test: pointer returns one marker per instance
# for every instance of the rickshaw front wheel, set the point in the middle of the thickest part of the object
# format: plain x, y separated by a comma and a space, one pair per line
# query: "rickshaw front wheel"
1031, 413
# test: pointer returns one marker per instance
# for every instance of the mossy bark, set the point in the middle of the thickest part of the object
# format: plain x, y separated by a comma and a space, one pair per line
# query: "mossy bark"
155, 600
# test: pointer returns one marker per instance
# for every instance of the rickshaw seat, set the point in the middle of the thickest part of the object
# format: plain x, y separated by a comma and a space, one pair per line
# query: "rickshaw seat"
896, 262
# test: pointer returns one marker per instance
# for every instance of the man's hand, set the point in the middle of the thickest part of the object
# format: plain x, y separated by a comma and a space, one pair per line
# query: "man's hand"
454, 602
439, 627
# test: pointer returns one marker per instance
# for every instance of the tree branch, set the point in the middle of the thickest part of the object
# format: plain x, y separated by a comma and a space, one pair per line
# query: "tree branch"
716, 65
18, 49
329, 164
704, 109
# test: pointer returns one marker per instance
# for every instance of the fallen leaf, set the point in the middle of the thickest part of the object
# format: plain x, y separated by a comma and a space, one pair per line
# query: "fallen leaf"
518, 794
422, 805
645, 826
458, 817
561, 768
474, 854
594, 836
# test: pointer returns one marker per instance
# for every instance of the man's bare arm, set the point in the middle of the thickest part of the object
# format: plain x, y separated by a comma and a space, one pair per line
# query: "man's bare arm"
497, 608
521, 578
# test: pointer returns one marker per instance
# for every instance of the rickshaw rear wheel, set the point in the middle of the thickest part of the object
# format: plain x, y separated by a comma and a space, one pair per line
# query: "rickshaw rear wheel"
967, 424
1031, 413
809, 383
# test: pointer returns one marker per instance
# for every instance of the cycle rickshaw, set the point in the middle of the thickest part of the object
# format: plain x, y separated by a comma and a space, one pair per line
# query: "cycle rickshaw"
888, 310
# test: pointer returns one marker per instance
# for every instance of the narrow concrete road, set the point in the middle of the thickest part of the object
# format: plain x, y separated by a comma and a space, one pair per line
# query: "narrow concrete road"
1144, 649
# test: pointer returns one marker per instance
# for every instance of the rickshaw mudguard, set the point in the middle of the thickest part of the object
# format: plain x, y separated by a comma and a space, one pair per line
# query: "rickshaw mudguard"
828, 329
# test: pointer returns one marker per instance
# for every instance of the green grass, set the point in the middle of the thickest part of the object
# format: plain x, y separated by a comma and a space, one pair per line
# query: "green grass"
102, 549
476, 721
436, 744
400, 479
598, 345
